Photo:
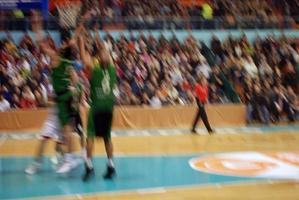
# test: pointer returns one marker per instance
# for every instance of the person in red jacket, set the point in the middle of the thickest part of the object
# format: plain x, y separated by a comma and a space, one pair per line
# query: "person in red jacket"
202, 93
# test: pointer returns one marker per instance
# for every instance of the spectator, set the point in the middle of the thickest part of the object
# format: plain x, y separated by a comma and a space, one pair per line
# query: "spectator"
6, 92
260, 110
249, 65
174, 95
40, 101
282, 105
24, 65
155, 101
204, 69
15, 102
207, 11
145, 99
28, 99
291, 99
4, 104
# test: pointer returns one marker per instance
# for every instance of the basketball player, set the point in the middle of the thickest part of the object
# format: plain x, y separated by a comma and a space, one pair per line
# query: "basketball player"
201, 90
60, 72
77, 90
52, 129
102, 82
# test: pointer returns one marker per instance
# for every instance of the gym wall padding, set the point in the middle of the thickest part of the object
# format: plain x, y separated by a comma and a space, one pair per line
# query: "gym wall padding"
131, 117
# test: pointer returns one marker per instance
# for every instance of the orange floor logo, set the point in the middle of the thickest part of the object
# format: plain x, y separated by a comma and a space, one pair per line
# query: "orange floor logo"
282, 165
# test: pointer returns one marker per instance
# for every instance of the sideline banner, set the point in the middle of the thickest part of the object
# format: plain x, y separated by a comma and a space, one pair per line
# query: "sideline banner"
134, 117
25, 5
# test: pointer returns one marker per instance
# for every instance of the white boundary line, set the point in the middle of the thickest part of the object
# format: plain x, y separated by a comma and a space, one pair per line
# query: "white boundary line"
3, 139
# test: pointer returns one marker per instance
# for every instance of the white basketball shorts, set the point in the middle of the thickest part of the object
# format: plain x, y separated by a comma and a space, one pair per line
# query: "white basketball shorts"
52, 128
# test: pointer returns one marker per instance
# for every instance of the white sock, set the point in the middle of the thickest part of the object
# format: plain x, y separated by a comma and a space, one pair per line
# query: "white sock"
58, 154
68, 157
73, 156
89, 163
110, 162
84, 152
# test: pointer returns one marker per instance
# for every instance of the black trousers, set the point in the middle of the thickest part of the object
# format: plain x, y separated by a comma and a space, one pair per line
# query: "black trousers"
201, 113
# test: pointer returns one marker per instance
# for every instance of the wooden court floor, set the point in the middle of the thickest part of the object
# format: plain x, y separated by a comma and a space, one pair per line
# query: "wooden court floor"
188, 144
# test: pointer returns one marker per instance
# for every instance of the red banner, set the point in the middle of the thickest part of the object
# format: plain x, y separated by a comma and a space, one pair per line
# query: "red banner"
191, 3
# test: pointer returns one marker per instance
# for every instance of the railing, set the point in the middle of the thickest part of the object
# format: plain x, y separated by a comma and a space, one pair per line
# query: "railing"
133, 23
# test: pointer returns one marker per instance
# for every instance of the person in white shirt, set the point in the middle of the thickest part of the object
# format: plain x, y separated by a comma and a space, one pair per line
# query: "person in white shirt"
176, 76
4, 104
28, 93
173, 94
24, 64
264, 67
155, 101
204, 68
249, 66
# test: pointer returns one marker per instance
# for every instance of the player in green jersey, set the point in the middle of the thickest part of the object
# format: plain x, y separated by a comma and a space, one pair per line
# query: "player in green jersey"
102, 83
78, 100
61, 76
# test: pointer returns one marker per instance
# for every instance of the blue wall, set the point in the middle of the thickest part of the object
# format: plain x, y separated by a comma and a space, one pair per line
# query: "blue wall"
17, 35
203, 35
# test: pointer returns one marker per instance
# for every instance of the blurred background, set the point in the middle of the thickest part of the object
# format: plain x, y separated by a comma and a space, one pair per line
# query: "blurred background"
247, 50
244, 48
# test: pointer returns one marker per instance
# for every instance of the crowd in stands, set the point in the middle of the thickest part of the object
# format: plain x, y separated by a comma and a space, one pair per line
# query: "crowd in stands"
163, 71
208, 14
174, 14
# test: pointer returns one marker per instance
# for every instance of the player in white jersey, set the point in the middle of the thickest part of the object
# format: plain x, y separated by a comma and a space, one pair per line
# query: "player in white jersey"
51, 130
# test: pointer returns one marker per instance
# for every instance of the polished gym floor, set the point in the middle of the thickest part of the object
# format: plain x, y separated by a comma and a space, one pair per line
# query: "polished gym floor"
236, 163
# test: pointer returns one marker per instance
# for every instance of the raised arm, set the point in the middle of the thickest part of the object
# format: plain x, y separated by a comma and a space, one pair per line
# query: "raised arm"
37, 29
98, 40
101, 46
86, 59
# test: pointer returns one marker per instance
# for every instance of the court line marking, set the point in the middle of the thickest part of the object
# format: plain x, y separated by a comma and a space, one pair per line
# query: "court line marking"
141, 155
3, 139
210, 171
172, 132
166, 189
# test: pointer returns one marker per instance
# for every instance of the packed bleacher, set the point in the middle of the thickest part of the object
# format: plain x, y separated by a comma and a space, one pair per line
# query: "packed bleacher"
203, 14
159, 71
174, 14
155, 72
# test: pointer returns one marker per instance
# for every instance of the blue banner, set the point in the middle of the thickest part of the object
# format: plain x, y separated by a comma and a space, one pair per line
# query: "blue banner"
21, 4
41, 5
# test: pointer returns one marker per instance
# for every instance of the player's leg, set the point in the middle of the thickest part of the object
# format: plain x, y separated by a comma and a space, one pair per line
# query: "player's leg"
80, 131
70, 159
110, 172
59, 148
36, 164
195, 121
50, 130
66, 119
205, 119
89, 171
106, 118
58, 158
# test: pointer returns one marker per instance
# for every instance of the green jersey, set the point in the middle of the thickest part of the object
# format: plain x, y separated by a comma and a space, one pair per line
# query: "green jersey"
77, 96
61, 79
102, 83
